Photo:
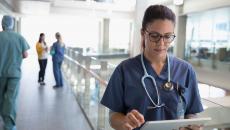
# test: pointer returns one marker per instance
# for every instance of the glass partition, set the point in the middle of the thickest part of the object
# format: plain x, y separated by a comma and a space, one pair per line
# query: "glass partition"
86, 77
208, 39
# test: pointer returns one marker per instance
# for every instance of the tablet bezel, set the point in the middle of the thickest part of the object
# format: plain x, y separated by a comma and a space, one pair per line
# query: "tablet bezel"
174, 124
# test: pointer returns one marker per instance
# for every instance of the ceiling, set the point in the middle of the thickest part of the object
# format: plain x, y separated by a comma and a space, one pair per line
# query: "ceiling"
102, 8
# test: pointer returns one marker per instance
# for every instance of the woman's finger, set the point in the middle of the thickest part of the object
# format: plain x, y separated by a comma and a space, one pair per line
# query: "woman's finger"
139, 116
127, 126
133, 120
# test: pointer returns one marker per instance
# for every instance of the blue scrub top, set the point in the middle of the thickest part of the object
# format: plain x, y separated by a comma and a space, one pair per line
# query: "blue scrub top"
12, 47
125, 91
58, 51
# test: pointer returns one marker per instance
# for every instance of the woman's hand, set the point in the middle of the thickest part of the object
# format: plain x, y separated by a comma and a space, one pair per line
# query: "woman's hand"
192, 127
46, 49
133, 119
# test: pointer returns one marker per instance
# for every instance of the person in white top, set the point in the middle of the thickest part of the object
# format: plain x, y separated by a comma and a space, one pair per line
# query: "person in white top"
42, 51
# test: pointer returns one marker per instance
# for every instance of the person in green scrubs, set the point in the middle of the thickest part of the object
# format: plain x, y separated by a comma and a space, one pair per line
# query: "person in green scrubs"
13, 48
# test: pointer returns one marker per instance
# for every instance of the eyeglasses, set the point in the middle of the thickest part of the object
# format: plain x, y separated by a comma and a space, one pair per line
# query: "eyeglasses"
156, 37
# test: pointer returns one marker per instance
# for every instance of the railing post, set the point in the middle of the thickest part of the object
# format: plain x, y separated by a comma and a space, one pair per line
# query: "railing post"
79, 58
72, 68
74, 71
87, 85
80, 73
65, 63
101, 109
68, 63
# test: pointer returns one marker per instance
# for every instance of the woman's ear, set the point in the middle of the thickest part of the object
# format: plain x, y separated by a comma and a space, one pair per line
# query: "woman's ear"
142, 39
142, 42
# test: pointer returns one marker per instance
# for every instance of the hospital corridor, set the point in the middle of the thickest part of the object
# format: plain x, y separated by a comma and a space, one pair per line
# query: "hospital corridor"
46, 108
114, 65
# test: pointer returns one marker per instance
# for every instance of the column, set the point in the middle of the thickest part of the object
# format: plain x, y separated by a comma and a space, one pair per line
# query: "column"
180, 32
17, 24
104, 42
131, 36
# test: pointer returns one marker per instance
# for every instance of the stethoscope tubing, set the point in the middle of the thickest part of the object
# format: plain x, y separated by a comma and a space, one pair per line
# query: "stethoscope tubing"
146, 75
143, 83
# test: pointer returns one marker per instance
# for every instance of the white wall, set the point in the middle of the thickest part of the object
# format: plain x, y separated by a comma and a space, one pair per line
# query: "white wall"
191, 6
76, 31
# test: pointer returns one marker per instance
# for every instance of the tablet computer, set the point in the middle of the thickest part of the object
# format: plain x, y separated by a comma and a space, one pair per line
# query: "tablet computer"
174, 124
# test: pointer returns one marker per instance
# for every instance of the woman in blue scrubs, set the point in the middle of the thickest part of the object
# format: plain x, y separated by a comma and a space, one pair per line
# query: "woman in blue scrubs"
57, 52
153, 85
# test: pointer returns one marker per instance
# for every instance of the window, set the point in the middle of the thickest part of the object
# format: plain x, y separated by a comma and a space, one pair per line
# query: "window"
208, 39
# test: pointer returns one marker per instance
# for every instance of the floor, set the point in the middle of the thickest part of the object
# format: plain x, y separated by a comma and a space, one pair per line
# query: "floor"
43, 107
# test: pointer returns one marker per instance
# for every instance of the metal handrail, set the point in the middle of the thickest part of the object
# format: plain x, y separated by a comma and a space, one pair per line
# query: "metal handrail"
96, 76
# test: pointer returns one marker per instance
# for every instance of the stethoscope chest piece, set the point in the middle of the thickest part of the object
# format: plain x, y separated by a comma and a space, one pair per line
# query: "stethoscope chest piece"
168, 86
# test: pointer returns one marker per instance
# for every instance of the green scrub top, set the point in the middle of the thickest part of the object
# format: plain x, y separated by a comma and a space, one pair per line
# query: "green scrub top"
12, 46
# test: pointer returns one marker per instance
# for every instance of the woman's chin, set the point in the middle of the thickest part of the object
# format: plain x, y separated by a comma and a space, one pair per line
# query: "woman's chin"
160, 52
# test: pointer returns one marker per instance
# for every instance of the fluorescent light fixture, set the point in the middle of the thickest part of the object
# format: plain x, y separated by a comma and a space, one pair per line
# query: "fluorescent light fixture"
33, 7
178, 2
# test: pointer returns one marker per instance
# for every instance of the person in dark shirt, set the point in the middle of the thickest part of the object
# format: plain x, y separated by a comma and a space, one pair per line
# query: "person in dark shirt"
153, 85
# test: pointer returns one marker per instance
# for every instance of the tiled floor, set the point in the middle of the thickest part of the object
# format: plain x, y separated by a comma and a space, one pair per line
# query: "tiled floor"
45, 108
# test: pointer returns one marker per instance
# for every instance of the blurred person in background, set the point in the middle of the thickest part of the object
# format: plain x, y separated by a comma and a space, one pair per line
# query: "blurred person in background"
57, 52
13, 48
42, 51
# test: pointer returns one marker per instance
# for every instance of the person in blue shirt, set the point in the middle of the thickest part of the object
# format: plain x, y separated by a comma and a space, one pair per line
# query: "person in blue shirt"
153, 85
57, 52
13, 48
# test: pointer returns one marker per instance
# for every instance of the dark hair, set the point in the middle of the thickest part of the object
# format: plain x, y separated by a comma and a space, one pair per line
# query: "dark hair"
155, 12
40, 38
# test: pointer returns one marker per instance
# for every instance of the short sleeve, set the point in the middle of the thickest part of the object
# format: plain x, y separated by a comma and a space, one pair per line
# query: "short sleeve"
193, 99
113, 97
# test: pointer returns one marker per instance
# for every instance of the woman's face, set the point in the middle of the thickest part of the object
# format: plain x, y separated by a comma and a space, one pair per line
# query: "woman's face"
43, 37
157, 37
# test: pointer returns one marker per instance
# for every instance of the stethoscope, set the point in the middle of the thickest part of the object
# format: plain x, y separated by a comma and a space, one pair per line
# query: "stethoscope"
168, 86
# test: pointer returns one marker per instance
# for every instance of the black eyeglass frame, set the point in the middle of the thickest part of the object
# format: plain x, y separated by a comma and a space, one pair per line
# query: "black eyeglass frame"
172, 37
